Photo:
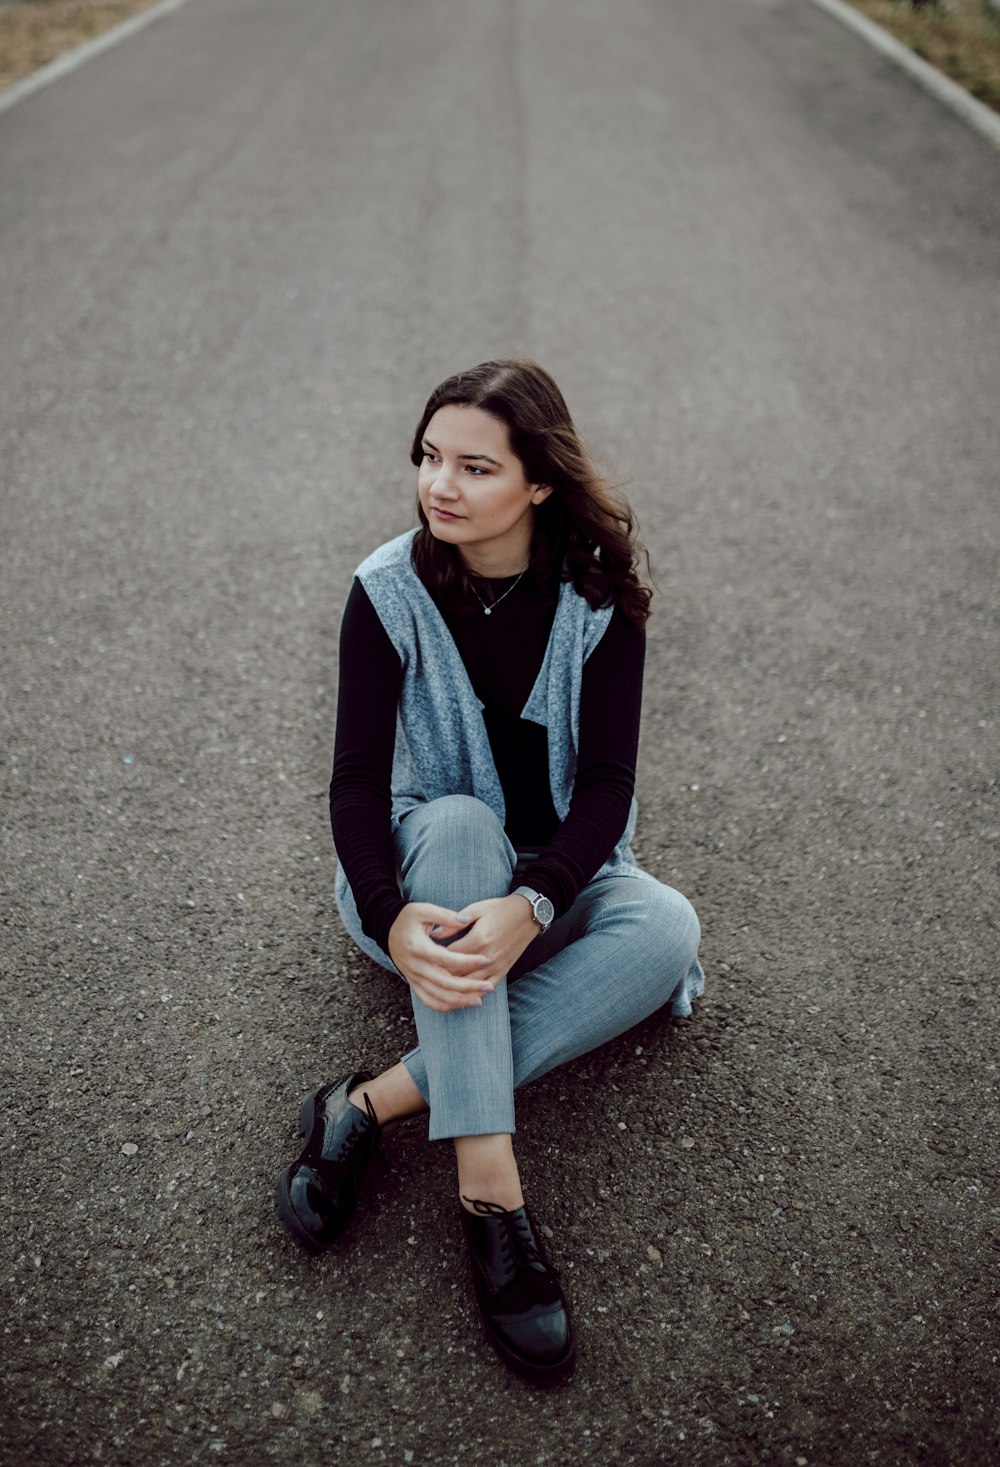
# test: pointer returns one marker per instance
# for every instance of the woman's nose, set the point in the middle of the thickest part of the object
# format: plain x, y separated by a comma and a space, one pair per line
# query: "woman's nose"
443, 484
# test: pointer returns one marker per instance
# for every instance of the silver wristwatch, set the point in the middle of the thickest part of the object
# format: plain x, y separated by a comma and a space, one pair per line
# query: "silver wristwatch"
541, 908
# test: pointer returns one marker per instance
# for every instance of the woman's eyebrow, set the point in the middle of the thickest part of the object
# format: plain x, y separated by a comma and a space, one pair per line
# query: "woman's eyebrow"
483, 456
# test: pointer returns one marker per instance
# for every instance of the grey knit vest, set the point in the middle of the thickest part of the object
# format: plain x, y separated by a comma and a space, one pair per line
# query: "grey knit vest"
442, 747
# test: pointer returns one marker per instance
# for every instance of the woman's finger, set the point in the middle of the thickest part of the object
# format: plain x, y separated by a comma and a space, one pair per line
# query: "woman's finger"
456, 983
429, 913
435, 996
448, 960
425, 958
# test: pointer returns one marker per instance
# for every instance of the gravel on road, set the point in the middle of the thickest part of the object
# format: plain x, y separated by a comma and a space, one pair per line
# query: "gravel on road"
239, 251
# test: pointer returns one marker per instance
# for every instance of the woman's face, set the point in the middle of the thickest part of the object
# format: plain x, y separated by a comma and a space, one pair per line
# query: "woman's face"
473, 490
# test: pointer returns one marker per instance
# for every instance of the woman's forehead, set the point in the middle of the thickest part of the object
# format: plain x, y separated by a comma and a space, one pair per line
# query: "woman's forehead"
467, 431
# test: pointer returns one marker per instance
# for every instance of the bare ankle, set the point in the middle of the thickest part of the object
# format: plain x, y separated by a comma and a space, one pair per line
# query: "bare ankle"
392, 1095
487, 1172
483, 1206
359, 1095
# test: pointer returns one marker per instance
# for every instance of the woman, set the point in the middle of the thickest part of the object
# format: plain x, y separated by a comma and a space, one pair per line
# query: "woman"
481, 801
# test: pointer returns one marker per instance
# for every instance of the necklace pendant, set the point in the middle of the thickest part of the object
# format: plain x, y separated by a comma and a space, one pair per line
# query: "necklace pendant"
487, 610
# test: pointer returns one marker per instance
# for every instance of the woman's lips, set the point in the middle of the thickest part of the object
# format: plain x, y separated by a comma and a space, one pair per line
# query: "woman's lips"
444, 514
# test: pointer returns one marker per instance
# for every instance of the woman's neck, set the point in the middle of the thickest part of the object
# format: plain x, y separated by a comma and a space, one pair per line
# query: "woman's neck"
495, 567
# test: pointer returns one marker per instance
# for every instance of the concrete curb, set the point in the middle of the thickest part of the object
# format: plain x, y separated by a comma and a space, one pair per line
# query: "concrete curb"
68, 62
985, 121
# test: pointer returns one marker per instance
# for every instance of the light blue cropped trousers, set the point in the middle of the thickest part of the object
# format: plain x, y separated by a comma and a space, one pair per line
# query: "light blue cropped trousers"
619, 953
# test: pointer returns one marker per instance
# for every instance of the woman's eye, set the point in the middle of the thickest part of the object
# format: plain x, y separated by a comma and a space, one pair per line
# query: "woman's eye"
477, 470
430, 458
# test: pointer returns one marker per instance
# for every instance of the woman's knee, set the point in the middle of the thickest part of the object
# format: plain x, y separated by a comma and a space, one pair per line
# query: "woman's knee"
454, 818
679, 920
465, 811
666, 938
454, 838
660, 922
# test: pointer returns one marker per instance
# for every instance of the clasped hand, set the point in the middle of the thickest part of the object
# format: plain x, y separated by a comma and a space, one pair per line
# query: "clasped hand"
457, 976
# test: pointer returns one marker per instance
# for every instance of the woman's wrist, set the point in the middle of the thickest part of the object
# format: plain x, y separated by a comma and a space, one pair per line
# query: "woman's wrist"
388, 915
524, 917
540, 906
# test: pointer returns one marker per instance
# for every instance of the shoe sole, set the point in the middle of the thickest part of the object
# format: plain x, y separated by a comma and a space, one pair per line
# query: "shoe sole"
282, 1196
547, 1374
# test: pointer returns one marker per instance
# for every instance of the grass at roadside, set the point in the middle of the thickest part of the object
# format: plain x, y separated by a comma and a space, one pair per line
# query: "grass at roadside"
33, 32
959, 37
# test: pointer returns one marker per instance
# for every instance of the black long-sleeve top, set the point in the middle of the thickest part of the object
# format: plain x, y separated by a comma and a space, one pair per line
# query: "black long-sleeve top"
502, 654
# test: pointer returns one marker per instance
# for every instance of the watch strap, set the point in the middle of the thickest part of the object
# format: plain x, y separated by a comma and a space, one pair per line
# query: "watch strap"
534, 900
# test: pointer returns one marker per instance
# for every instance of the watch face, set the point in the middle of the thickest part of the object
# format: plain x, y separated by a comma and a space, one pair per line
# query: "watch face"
544, 910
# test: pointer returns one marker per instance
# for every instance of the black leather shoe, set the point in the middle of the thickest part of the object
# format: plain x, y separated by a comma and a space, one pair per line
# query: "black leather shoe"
319, 1191
523, 1309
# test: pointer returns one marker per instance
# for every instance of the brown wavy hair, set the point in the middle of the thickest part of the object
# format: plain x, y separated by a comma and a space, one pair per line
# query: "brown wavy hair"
584, 532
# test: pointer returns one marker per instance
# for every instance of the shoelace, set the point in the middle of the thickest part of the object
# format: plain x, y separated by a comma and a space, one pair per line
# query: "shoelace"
516, 1239
376, 1148
353, 1156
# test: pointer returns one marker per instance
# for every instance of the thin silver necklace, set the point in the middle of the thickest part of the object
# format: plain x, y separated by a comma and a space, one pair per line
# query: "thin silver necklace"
489, 610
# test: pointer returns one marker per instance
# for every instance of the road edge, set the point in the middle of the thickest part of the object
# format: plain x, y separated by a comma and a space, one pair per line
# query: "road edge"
978, 116
70, 60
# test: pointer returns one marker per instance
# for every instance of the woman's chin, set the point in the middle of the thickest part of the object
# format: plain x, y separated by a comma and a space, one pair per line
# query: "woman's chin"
443, 530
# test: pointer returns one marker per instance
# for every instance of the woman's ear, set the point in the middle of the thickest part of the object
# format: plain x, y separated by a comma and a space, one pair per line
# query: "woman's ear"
540, 492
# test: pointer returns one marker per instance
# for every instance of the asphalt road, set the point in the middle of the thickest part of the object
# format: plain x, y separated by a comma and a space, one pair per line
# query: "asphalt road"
238, 250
